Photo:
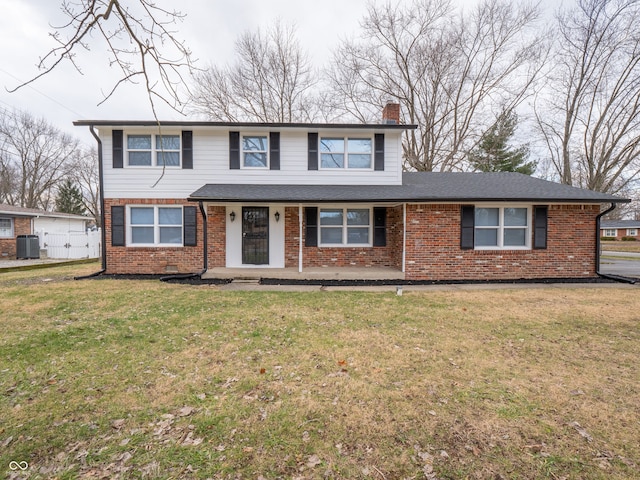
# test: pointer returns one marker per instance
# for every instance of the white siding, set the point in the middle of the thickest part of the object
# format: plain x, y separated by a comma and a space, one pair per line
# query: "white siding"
59, 225
211, 165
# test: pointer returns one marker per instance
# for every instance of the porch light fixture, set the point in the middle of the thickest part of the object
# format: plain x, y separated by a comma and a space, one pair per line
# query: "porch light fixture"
232, 216
277, 215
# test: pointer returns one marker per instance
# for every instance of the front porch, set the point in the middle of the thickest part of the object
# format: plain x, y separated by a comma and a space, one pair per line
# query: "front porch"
310, 273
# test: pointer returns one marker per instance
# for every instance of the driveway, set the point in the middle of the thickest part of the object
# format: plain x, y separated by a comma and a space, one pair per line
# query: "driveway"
32, 261
626, 264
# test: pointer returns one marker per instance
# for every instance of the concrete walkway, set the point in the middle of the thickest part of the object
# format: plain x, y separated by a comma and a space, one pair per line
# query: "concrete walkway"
256, 287
11, 264
607, 253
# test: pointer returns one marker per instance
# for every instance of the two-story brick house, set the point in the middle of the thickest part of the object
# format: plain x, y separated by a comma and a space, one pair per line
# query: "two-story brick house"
214, 196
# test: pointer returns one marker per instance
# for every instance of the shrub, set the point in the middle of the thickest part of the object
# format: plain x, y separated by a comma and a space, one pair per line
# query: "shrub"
608, 239
629, 239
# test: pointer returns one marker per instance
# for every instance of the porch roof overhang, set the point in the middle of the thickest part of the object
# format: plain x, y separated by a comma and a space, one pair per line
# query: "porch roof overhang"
416, 187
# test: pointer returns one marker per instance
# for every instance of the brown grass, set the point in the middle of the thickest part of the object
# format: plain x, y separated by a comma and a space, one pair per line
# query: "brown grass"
621, 247
523, 383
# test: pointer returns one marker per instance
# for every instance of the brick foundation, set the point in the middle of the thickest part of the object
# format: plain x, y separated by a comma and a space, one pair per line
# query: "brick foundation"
387, 256
151, 260
433, 247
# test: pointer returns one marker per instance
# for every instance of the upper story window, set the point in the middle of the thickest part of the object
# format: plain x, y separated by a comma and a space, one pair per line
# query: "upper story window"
336, 152
150, 150
6, 228
502, 227
255, 151
345, 226
155, 225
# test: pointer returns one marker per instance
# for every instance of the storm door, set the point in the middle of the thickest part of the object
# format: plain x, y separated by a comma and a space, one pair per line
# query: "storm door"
255, 235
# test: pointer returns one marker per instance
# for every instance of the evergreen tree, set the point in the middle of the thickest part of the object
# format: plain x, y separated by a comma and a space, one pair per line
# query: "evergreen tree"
494, 154
70, 199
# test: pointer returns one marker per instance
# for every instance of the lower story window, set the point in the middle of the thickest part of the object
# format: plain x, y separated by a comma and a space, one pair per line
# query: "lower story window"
610, 232
345, 226
155, 225
6, 228
502, 227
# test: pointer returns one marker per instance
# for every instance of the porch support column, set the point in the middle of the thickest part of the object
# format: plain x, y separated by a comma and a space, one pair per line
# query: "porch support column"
300, 238
404, 235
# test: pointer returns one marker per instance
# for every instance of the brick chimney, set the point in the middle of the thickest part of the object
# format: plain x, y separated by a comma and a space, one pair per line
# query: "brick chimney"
391, 113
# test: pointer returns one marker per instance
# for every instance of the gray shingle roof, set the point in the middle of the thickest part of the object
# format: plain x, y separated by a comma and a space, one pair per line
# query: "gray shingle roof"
34, 212
620, 224
416, 186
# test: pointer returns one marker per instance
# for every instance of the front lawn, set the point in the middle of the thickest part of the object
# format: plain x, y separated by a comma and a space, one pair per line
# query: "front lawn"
619, 246
141, 379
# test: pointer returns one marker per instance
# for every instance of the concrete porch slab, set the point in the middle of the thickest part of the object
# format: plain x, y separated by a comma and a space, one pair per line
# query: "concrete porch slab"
312, 273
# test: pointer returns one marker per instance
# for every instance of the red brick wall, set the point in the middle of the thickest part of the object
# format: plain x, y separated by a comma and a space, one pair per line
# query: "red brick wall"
387, 256
291, 237
216, 236
622, 232
21, 226
433, 247
151, 260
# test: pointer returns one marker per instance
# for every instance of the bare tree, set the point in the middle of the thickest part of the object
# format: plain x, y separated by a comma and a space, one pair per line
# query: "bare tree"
271, 81
451, 72
590, 118
139, 38
85, 173
37, 156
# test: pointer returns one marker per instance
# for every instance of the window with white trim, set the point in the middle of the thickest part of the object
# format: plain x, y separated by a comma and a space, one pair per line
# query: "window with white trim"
345, 227
255, 150
155, 225
632, 232
610, 232
153, 150
346, 152
502, 227
6, 228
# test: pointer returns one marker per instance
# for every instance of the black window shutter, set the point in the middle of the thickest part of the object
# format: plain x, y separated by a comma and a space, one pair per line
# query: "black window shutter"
311, 232
274, 150
190, 230
380, 226
187, 149
540, 222
378, 161
313, 151
117, 226
234, 150
117, 148
467, 225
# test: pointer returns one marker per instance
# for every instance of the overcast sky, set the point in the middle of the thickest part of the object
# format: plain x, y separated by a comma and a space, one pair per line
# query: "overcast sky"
210, 30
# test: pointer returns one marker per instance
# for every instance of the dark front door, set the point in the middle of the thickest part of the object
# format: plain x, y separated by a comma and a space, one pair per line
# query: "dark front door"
255, 235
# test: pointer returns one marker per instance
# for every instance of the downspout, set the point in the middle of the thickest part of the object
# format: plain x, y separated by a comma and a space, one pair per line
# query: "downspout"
617, 278
103, 234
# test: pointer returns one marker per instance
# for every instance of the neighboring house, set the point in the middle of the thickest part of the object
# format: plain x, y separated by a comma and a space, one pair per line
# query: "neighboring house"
619, 229
15, 221
214, 196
